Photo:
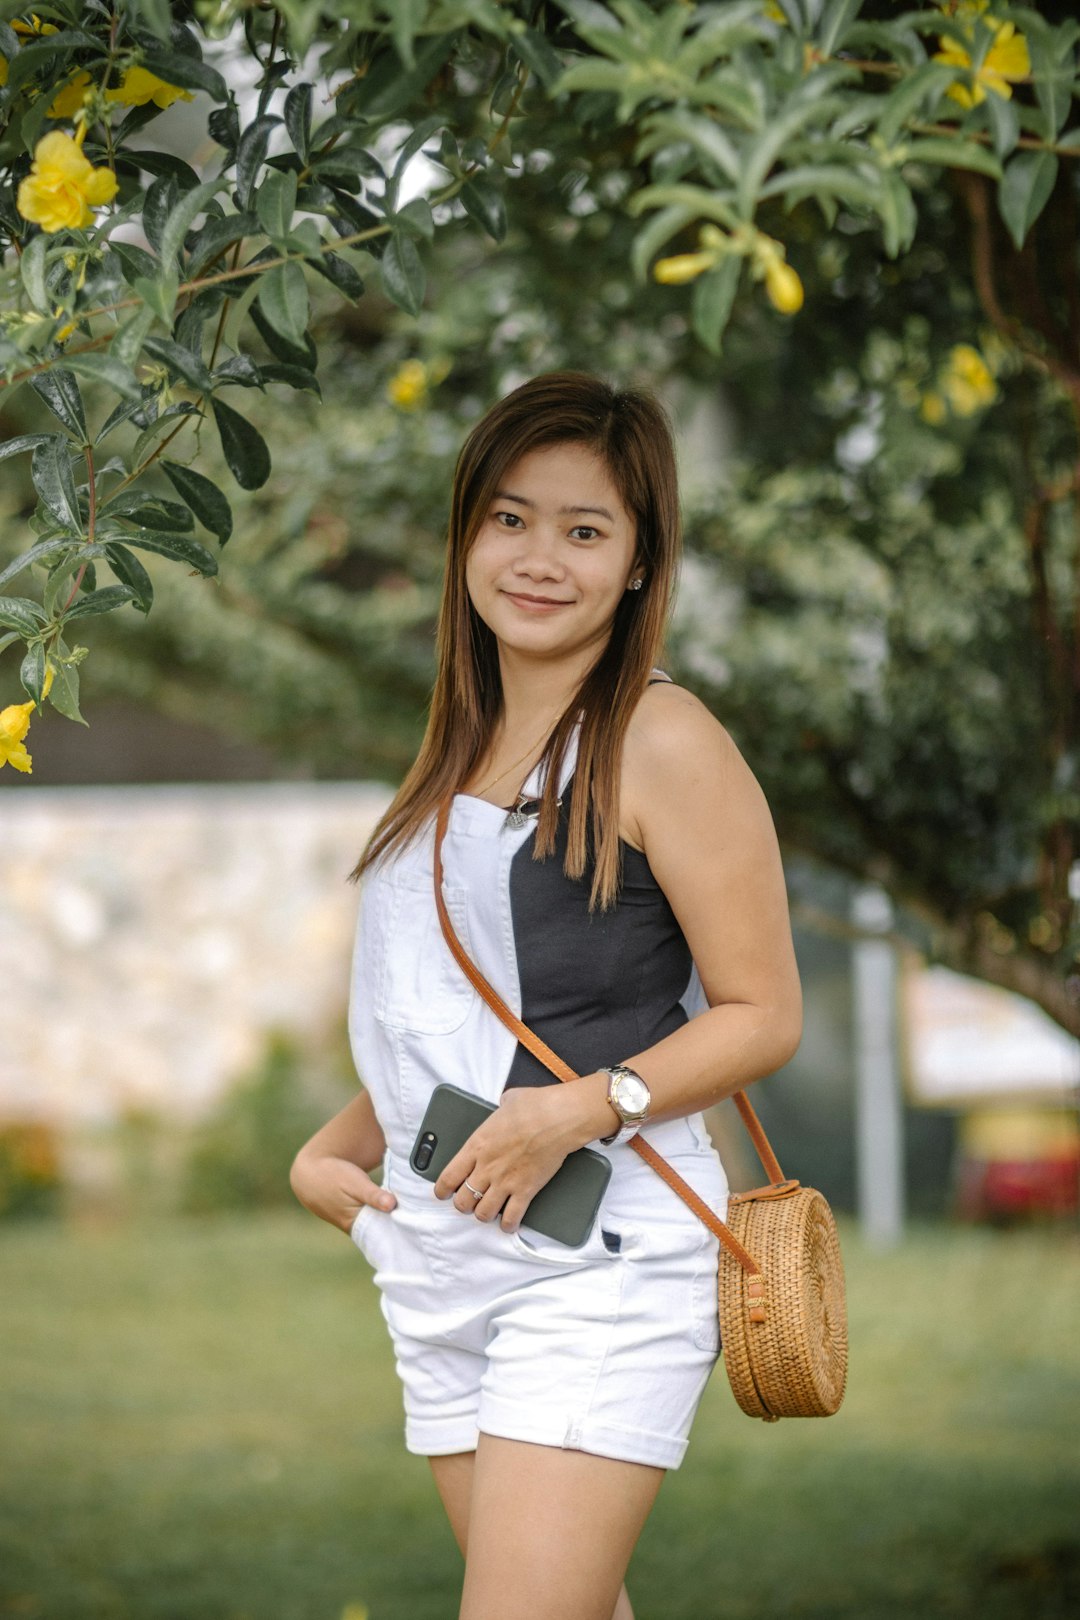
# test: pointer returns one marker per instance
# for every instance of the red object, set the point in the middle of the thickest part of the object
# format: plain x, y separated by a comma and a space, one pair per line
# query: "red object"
1018, 1187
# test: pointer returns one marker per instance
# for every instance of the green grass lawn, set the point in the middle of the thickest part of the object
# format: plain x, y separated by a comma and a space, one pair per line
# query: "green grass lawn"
200, 1420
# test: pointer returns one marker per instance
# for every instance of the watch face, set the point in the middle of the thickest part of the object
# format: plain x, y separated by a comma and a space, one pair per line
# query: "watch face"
632, 1093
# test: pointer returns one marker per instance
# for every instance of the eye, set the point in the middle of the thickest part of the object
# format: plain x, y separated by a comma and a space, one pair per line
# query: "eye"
590, 535
515, 516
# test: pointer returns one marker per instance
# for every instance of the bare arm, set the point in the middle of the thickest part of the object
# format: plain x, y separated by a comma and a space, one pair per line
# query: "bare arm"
706, 829
330, 1173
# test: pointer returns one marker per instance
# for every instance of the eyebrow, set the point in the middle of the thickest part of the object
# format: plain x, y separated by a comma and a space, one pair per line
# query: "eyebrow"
505, 495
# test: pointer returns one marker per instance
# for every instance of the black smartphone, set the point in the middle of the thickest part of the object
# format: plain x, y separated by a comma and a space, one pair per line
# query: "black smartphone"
563, 1209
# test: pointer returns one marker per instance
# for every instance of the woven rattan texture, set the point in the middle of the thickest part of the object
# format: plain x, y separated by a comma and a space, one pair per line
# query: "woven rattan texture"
794, 1364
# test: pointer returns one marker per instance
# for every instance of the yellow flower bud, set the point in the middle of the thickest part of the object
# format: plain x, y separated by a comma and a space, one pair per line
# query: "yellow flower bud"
683, 267
783, 286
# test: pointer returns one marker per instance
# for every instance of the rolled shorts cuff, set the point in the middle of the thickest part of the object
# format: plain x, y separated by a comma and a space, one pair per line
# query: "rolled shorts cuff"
507, 1421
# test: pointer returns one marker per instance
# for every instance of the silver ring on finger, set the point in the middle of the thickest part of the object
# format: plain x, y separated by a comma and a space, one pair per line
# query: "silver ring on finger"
472, 1189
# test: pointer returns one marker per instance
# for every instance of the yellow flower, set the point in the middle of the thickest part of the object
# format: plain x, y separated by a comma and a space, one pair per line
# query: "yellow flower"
408, 387
34, 26
932, 409
69, 99
774, 14
1006, 59
14, 724
966, 381
139, 85
63, 188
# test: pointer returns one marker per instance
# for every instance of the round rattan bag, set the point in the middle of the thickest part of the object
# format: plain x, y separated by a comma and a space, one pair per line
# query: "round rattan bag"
784, 1333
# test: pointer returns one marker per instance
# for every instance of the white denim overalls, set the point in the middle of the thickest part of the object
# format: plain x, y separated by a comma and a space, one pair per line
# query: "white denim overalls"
604, 1348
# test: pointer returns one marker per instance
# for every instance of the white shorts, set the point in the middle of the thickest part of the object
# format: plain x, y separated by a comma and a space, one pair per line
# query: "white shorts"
606, 1348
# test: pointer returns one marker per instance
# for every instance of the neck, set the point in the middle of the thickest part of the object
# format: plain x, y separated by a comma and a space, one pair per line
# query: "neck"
534, 691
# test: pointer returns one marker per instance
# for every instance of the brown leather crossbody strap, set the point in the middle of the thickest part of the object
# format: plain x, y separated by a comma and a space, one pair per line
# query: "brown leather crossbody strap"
779, 1186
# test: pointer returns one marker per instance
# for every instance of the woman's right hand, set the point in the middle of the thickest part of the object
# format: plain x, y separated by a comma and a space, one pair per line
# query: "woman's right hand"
335, 1189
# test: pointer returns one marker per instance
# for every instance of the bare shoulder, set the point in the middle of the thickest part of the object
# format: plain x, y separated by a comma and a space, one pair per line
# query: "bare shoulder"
676, 748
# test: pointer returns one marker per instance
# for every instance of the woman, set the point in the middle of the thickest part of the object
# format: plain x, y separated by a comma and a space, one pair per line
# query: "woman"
611, 866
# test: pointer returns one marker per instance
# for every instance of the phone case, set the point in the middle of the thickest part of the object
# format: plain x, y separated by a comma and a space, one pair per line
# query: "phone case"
563, 1209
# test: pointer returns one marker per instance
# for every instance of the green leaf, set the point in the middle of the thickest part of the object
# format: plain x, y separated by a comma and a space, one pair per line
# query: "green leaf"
103, 601
339, 272
23, 442
64, 692
710, 306
215, 236
204, 498
283, 299
1004, 123
239, 369
1025, 191
243, 446
251, 154
32, 672
275, 203
303, 354
182, 217
106, 368
128, 339
538, 56
162, 423
188, 72
49, 548
180, 362
298, 118
21, 613
127, 567
55, 482
159, 296
180, 547
416, 217
484, 203
32, 270
157, 15
954, 154
293, 376
58, 388
403, 274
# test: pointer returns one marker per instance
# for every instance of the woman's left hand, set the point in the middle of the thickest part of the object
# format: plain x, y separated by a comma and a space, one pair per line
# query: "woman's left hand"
514, 1153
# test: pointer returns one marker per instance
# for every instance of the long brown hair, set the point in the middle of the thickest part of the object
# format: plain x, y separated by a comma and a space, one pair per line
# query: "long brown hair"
630, 431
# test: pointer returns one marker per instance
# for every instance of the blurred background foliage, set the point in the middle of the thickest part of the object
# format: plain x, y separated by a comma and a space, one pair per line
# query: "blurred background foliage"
881, 537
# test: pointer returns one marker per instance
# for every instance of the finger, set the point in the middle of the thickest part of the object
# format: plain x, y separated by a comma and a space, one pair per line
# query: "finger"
513, 1210
488, 1207
464, 1199
453, 1174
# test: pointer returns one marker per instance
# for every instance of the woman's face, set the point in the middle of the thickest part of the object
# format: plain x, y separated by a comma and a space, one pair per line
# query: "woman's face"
553, 555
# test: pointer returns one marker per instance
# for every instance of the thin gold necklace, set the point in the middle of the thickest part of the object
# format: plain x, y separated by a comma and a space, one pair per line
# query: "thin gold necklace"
481, 791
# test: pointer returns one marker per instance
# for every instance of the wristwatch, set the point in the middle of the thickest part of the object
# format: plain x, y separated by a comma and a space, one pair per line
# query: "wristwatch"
631, 1098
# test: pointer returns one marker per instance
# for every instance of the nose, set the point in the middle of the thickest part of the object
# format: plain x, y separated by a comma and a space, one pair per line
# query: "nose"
538, 558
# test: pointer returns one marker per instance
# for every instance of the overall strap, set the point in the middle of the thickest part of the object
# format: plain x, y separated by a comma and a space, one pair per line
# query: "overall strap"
778, 1188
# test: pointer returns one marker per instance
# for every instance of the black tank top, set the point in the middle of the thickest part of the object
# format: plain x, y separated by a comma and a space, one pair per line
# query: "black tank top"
596, 987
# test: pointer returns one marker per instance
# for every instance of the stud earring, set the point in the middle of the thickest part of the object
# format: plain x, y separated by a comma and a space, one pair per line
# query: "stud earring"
635, 585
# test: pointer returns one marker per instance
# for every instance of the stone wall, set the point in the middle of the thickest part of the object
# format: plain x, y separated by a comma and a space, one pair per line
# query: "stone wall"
151, 936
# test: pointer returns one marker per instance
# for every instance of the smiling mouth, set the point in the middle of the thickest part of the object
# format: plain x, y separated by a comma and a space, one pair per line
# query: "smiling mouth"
542, 601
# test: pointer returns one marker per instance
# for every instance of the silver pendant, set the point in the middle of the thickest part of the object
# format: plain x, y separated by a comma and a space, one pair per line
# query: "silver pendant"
518, 816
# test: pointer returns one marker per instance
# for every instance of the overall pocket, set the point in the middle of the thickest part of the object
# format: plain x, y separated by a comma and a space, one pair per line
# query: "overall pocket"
419, 987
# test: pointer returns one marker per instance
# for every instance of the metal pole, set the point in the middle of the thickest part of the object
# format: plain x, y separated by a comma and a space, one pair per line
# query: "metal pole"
879, 1133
